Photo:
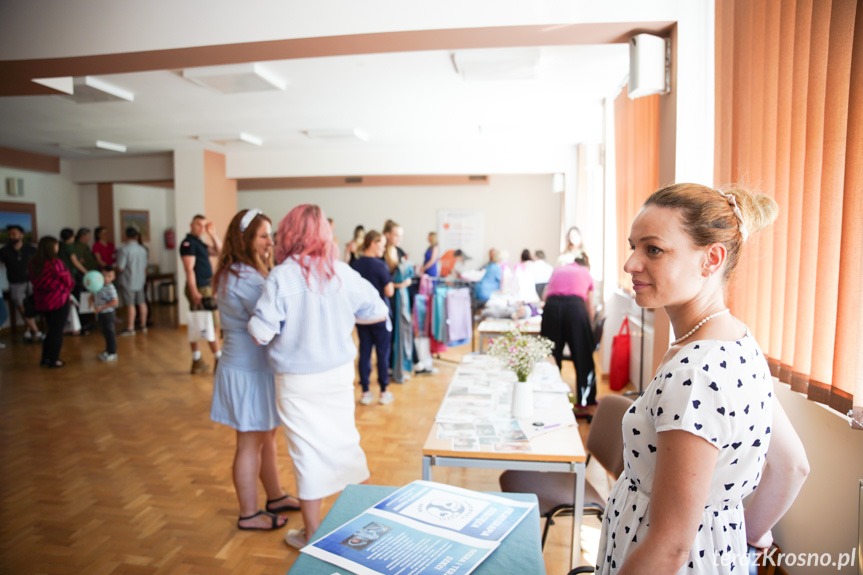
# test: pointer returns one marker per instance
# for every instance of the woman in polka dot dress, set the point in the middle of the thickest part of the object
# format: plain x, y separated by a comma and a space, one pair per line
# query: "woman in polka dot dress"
707, 431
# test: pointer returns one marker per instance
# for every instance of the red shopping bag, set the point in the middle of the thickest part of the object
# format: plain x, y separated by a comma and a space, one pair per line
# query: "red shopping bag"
618, 373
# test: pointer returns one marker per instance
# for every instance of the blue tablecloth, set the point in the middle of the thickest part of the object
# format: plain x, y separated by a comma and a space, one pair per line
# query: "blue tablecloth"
520, 552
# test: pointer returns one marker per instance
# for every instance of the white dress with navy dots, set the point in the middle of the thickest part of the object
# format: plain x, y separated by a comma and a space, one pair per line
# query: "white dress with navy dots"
720, 391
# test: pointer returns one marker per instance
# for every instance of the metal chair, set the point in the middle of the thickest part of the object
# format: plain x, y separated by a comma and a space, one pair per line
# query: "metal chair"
555, 489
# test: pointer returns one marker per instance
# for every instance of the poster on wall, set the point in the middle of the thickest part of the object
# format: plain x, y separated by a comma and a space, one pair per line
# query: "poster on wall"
138, 219
18, 214
463, 230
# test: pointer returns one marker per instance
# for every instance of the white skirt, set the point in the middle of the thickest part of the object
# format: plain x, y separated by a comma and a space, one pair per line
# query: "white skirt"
317, 410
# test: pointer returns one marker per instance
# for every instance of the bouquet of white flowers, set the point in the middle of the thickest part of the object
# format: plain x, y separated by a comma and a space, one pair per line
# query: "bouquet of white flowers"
519, 352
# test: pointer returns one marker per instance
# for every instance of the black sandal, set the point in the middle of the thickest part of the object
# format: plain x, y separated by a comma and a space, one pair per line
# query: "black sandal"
273, 526
283, 508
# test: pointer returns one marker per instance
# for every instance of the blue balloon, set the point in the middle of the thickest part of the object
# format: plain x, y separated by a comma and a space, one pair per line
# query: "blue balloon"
94, 281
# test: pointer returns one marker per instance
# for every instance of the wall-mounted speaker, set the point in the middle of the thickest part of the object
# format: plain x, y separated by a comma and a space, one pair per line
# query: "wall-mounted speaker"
649, 65
15, 187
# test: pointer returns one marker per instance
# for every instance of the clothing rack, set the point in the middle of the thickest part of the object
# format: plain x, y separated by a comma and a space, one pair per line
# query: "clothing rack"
458, 283
453, 282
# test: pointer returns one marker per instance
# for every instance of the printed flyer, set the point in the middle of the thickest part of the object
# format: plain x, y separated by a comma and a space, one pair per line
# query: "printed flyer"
422, 528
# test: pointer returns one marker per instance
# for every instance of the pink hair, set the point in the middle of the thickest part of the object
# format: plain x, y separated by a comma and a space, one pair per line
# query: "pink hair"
306, 235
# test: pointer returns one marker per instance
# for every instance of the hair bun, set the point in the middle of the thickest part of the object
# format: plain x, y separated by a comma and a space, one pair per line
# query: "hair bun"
758, 210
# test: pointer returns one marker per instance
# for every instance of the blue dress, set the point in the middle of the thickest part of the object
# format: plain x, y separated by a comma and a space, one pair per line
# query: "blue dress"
244, 390
432, 270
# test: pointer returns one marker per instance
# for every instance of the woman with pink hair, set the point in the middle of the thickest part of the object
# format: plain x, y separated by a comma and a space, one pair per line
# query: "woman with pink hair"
307, 312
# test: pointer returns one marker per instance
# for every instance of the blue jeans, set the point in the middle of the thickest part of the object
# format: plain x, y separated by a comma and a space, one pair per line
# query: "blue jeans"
4, 313
377, 336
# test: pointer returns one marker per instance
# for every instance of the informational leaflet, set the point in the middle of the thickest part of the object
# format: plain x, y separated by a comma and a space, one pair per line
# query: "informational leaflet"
476, 412
423, 528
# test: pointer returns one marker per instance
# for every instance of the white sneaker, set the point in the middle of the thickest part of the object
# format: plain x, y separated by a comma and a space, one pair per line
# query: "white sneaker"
366, 398
28, 337
425, 370
296, 538
2, 346
39, 336
386, 397
105, 356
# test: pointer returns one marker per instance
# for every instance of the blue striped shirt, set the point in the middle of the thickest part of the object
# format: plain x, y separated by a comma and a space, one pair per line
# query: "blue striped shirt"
310, 330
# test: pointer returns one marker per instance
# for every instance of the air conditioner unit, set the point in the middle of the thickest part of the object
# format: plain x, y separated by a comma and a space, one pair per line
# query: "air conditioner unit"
649, 65
14, 187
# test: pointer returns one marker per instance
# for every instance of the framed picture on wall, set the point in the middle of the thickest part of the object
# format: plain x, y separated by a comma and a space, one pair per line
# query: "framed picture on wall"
18, 214
138, 219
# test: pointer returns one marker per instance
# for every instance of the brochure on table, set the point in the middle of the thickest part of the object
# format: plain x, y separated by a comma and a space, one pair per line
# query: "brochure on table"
423, 528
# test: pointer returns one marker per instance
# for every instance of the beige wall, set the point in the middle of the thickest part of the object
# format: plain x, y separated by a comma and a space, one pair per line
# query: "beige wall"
520, 211
159, 202
56, 199
220, 193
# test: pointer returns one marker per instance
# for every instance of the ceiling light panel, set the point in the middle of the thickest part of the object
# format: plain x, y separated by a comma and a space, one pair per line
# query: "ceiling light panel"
497, 64
87, 89
65, 84
104, 145
343, 135
236, 79
232, 140
92, 147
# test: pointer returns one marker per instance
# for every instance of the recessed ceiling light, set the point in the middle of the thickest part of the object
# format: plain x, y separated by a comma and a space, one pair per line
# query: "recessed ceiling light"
234, 79
248, 138
87, 89
497, 64
97, 146
104, 145
64, 84
240, 139
343, 135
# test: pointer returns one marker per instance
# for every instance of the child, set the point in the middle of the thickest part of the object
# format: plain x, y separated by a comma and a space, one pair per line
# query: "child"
105, 302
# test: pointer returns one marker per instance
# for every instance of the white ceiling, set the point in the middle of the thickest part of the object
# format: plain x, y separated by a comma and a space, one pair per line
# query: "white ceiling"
397, 99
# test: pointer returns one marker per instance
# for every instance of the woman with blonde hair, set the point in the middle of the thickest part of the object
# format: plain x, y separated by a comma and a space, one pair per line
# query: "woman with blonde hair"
708, 431
243, 391
432, 255
402, 273
310, 304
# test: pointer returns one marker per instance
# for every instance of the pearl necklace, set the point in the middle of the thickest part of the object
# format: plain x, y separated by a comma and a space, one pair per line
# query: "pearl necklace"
698, 325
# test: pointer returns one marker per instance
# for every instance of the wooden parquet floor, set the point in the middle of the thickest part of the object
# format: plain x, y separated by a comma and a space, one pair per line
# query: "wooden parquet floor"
111, 469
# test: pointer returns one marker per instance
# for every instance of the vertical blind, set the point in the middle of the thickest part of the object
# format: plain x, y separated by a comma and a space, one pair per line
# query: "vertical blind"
789, 123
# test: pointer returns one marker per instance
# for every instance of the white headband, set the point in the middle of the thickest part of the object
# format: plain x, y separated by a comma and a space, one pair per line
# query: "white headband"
247, 219
732, 201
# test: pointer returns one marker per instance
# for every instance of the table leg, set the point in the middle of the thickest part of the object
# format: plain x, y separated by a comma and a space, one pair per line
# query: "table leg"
427, 464
577, 515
